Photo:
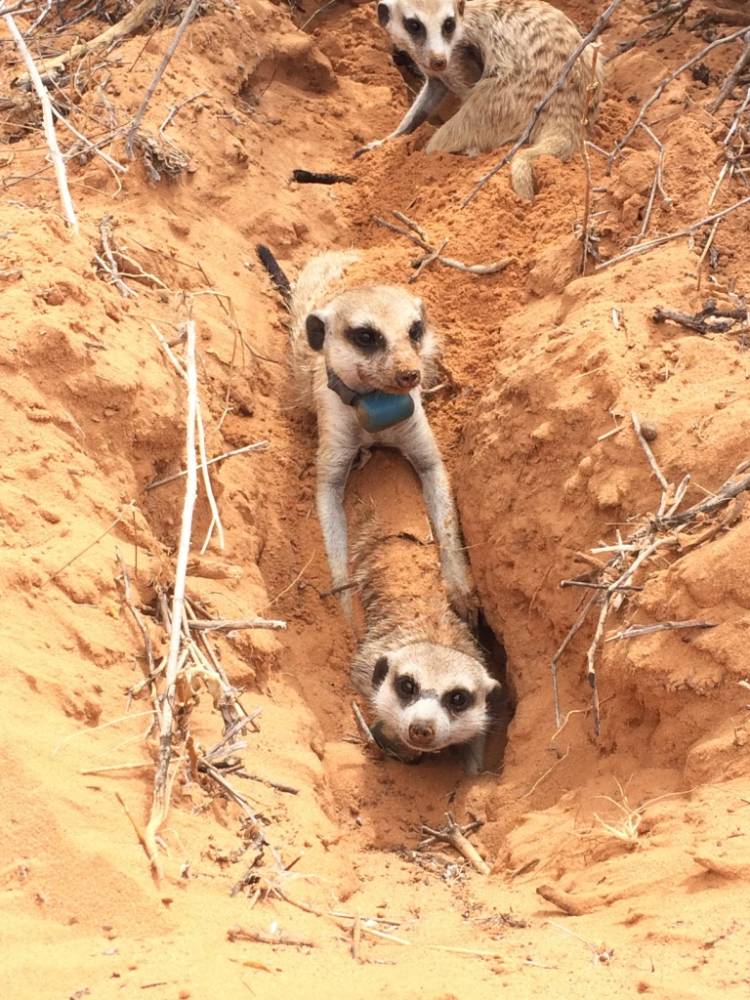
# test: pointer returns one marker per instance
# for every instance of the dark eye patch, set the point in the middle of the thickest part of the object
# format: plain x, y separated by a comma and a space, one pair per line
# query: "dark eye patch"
406, 688
416, 331
458, 700
366, 338
449, 26
414, 26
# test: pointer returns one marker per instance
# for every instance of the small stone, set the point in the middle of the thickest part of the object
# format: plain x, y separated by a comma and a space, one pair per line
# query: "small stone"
649, 430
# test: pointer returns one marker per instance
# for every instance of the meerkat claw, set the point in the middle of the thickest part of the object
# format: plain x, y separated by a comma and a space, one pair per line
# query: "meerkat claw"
375, 144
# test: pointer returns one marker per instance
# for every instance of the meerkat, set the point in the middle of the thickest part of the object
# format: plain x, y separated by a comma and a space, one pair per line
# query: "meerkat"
424, 677
358, 356
499, 57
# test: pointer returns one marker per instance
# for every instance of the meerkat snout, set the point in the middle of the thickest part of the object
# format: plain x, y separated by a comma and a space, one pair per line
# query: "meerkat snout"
408, 379
421, 734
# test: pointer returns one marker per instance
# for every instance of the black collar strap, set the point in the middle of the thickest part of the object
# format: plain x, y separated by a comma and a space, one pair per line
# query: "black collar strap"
342, 390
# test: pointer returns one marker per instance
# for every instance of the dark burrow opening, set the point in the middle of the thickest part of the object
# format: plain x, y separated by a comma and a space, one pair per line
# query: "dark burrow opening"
503, 704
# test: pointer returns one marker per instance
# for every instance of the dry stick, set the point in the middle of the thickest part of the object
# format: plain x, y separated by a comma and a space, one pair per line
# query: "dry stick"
160, 803
187, 17
109, 37
215, 517
727, 492
574, 628
230, 625
648, 453
453, 834
260, 446
571, 905
493, 268
238, 933
208, 485
599, 26
731, 80
112, 269
636, 251
362, 726
120, 517
663, 86
591, 90
142, 627
635, 630
724, 319
593, 586
138, 832
48, 123
178, 107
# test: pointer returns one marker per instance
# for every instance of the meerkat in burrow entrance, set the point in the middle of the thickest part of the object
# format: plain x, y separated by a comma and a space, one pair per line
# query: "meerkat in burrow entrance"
424, 677
359, 355
499, 57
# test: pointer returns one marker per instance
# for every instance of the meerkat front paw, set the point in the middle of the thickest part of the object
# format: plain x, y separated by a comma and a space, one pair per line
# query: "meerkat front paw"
466, 604
375, 144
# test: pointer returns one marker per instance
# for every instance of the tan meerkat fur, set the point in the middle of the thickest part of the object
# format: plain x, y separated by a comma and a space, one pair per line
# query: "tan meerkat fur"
521, 47
424, 677
329, 311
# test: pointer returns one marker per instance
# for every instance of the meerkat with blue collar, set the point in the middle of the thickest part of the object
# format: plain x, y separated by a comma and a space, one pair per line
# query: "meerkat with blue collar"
499, 57
359, 355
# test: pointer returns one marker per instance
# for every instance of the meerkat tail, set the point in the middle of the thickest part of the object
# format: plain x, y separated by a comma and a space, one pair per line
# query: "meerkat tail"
275, 272
554, 144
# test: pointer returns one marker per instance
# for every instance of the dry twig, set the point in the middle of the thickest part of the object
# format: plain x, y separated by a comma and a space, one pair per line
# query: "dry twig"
635, 630
48, 124
456, 836
162, 784
412, 232
187, 17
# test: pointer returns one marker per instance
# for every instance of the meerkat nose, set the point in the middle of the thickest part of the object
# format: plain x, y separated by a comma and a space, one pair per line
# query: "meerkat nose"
407, 380
438, 63
421, 733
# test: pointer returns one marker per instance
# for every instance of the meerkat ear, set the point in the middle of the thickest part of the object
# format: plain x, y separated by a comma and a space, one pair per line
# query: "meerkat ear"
380, 672
461, 7
384, 13
316, 331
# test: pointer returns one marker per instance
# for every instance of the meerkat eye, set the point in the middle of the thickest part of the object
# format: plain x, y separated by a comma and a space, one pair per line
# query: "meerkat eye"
416, 331
413, 25
449, 26
365, 337
459, 699
406, 687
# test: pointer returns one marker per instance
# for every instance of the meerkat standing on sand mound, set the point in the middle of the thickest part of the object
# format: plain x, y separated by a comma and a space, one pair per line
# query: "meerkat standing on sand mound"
499, 57
359, 354
417, 665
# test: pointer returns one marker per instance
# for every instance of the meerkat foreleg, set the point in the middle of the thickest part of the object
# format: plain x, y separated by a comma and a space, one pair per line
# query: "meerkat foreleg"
422, 451
426, 103
473, 754
480, 123
332, 475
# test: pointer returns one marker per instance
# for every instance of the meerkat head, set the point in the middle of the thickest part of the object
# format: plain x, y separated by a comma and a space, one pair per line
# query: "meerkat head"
373, 338
430, 696
426, 29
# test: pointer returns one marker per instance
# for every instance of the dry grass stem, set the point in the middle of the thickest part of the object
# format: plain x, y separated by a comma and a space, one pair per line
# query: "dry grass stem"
48, 124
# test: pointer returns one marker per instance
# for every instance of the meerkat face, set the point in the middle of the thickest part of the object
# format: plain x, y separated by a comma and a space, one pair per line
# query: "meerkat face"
427, 29
373, 338
430, 697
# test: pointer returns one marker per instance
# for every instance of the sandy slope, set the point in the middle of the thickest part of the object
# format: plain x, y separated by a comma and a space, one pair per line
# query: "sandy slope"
536, 371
